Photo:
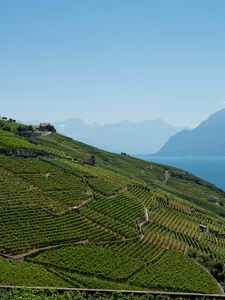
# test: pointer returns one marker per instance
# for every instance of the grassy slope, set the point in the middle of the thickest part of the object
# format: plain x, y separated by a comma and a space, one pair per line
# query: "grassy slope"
37, 196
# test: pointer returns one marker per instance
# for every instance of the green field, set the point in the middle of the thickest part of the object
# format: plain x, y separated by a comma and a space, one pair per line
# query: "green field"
115, 224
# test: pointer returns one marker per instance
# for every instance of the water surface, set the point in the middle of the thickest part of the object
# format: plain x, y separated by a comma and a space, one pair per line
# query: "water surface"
209, 168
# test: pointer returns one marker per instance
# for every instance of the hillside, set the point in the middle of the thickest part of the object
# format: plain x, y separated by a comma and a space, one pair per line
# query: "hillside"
134, 138
76, 216
208, 139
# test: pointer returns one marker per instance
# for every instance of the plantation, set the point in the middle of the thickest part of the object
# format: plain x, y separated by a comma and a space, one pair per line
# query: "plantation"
90, 259
112, 225
163, 275
25, 228
54, 295
9, 140
26, 274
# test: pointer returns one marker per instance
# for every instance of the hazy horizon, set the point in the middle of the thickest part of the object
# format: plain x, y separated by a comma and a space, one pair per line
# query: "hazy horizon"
94, 122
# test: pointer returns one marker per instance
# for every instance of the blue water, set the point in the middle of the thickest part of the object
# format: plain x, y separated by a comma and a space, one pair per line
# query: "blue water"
210, 168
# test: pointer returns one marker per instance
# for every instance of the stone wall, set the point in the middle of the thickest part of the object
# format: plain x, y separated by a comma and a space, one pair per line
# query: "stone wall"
23, 153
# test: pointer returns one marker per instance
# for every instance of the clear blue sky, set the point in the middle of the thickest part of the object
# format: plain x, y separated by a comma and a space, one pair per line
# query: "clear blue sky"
111, 60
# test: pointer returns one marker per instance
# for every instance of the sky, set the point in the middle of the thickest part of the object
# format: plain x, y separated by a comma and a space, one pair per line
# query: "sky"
112, 60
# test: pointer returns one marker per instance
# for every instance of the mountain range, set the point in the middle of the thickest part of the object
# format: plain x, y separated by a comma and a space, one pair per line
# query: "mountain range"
207, 139
133, 138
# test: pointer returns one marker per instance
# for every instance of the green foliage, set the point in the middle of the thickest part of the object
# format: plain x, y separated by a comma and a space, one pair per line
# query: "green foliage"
164, 274
12, 126
26, 228
11, 141
27, 274
27, 294
134, 230
38, 182
90, 259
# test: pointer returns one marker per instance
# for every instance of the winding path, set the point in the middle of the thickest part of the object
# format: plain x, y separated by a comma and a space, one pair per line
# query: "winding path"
21, 256
142, 221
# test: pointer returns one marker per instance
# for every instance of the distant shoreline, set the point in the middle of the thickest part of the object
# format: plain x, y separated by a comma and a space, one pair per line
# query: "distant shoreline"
210, 168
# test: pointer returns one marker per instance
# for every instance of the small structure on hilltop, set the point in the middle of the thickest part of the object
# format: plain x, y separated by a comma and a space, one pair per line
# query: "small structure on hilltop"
41, 126
203, 227
214, 199
44, 127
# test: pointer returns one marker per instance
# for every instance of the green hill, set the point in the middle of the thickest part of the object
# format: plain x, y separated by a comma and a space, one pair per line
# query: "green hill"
75, 216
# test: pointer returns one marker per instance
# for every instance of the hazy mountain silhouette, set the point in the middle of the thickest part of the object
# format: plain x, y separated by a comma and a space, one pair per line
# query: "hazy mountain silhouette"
206, 139
134, 138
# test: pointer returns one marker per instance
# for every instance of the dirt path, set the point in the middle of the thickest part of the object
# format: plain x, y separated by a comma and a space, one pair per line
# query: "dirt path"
85, 202
145, 218
21, 256
77, 207
142, 221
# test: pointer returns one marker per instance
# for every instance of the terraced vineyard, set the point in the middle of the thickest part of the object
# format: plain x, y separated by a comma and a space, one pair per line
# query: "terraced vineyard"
114, 224
48, 294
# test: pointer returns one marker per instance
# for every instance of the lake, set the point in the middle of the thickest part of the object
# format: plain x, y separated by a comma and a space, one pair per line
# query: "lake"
210, 168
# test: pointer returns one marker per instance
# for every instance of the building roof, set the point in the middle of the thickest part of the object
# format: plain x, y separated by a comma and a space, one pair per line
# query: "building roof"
41, 125
202, 225
44, 124
35, 126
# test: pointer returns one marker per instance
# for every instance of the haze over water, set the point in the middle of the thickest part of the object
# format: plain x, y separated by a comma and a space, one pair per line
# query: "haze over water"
209, 168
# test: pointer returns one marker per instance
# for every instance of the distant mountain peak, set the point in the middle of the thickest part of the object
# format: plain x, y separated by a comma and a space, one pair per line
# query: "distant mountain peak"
125, 136
208, 138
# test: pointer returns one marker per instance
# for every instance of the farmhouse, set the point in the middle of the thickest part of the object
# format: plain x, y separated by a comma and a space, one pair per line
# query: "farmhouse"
41, 126
43, 129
